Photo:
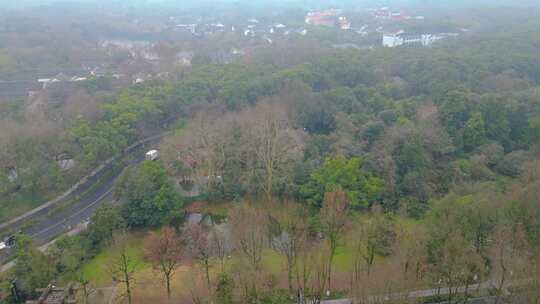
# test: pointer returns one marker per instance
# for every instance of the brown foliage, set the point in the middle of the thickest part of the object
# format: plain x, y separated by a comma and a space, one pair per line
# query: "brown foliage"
164, 250
199, 247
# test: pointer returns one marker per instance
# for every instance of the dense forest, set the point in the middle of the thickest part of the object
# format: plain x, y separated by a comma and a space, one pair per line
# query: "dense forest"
420, 165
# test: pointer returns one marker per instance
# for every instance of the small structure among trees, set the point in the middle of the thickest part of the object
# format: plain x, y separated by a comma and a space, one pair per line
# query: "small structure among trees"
56, 295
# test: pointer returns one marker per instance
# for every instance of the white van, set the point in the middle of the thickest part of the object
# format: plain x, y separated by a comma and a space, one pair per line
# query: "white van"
151, 155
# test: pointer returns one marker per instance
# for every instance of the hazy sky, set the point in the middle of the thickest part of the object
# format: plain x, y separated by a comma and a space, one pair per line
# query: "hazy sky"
180, 3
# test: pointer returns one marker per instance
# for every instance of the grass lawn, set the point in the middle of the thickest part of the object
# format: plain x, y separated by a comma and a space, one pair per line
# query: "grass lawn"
274, 262
190, 276
343, 260
97, 270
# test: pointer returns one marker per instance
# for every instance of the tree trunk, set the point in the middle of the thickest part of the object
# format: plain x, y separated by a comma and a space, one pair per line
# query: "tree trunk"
128, 288
333, 245
206, 268
168, 279
289, 273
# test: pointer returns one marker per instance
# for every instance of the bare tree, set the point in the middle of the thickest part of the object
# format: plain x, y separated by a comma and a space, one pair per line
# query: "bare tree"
199, 150
272, 144
320, 279
333, 217
533, 273
249, 229
122, 265
303, 268
410, 251
509, 254
457, 265
262, 139
199, 247
164, 251
84, 284
288, 230
381, 286
219, 244
365, 248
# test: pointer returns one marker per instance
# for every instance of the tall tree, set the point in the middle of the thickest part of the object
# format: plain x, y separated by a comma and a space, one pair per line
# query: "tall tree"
33, 268
474, 133
273, 144
164, 251
199, 247
249, 229
122, 264
288, 230
455, 111
105, 221
509, 254
148, 196
372, 237
220, 244
199, 150
456, 265
359, 186
333, 217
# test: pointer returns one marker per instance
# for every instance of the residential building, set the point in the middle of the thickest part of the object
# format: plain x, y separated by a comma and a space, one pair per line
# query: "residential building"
324, 18
184, 57
403, 39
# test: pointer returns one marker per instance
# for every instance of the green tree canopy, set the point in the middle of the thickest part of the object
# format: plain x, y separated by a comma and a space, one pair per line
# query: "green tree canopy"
474, 133
148, 197
360, 186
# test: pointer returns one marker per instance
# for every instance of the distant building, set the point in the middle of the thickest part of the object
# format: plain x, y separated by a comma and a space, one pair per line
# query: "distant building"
344, 24
66, 164
149, 55
139, 78
403, 39
98, 72
386, 14
61, 77
12, 175
382, 13
346, 46
189, 27
324, 18
184, 58
237, 52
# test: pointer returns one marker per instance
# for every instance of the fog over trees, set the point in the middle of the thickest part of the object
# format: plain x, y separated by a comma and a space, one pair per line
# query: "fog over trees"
270, 152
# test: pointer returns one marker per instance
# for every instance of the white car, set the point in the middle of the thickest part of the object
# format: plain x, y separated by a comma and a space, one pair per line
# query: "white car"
3, 246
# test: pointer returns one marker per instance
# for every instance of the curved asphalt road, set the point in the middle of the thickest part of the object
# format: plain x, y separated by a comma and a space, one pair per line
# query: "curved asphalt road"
52, 224
49, 223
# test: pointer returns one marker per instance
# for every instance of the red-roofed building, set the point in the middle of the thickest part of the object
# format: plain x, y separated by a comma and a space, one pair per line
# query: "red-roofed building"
324, 18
